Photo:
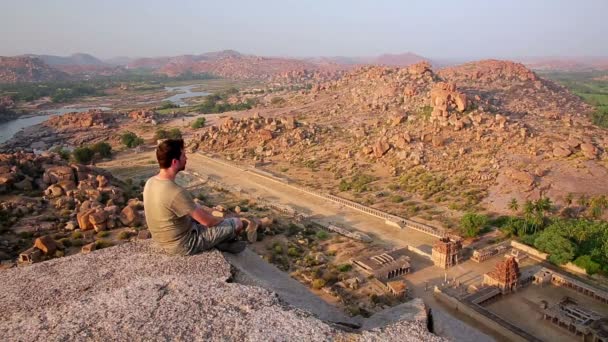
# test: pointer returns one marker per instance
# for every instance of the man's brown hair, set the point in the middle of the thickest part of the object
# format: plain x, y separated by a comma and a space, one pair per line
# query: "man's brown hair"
168, 150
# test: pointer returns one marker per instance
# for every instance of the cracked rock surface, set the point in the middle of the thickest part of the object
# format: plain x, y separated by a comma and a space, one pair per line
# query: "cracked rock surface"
132, 292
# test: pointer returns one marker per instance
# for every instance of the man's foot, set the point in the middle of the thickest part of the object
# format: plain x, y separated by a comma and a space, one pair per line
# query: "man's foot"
251, 227
233, 247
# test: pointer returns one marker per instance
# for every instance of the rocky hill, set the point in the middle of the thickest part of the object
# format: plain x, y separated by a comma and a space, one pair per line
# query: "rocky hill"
133, 292
476, 134
567, 63
400, 60
26, 69
74, 59
237, 67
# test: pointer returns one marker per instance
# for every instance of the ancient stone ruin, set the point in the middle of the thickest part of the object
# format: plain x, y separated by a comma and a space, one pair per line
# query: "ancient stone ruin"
446, 252
505, 276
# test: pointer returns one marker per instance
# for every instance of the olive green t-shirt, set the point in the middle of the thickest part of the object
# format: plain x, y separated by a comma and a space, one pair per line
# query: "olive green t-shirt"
168, 207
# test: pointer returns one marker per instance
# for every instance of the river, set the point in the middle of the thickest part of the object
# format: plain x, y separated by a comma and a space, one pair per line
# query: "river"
183, 92
9, 128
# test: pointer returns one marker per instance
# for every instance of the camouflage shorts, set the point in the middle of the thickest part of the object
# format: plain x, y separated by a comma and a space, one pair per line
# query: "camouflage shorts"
203, 238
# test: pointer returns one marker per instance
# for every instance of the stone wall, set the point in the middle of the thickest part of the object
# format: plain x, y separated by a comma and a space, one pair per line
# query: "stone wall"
535, 253
395, 220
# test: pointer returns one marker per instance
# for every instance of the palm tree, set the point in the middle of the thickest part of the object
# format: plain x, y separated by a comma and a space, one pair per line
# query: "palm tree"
543, 205
598, 204
513, 205
529, 207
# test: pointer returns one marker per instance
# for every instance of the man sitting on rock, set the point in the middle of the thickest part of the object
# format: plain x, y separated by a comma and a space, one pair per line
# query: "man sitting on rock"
178, 224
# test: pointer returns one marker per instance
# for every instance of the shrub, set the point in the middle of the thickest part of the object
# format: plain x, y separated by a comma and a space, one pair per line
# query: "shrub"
161, 134
277, 248
103, 149
131, 139
62, 152
471, 224
344, 185
103, 234
293, 252
397, 199
199, 123
66, 242
83, 155
77, 242
321, 235
345, 267
318, 283
330, 277
76, 235
589, 265
167, 105
292, 229
174, 133
124, 235
101, 244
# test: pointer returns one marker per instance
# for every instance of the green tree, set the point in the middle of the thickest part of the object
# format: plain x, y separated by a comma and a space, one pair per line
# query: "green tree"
83, 155
528, 208
543, 205
62, 152
167, 105
174, 133
161, 134
587, 263
560, 249
103, 149
198, 123
472, 223
131, 139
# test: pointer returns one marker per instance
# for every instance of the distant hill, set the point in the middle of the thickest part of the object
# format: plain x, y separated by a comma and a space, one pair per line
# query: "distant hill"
184, 60
75, 59
81, 65
226, 63
28, 69
118, 61
566, 63
401, 60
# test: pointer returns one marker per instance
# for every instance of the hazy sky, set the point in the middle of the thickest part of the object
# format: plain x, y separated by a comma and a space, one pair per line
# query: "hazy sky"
432, 28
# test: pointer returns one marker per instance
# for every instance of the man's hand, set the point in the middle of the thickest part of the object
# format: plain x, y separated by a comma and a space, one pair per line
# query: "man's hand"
205, 218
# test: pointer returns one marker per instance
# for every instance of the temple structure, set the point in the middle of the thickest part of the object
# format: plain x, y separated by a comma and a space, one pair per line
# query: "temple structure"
385, 266
505, 276
446, 252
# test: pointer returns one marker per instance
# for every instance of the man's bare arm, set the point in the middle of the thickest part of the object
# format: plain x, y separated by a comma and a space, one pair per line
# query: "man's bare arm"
205, 218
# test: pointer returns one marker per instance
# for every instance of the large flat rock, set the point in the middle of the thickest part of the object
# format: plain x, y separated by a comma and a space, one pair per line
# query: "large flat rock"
132, 292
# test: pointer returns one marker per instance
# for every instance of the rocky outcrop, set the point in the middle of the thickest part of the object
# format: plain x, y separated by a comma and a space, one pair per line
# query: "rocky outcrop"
490, 70
152, 296
91, 118
144, 116
26, 69
257, 136
60, 197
